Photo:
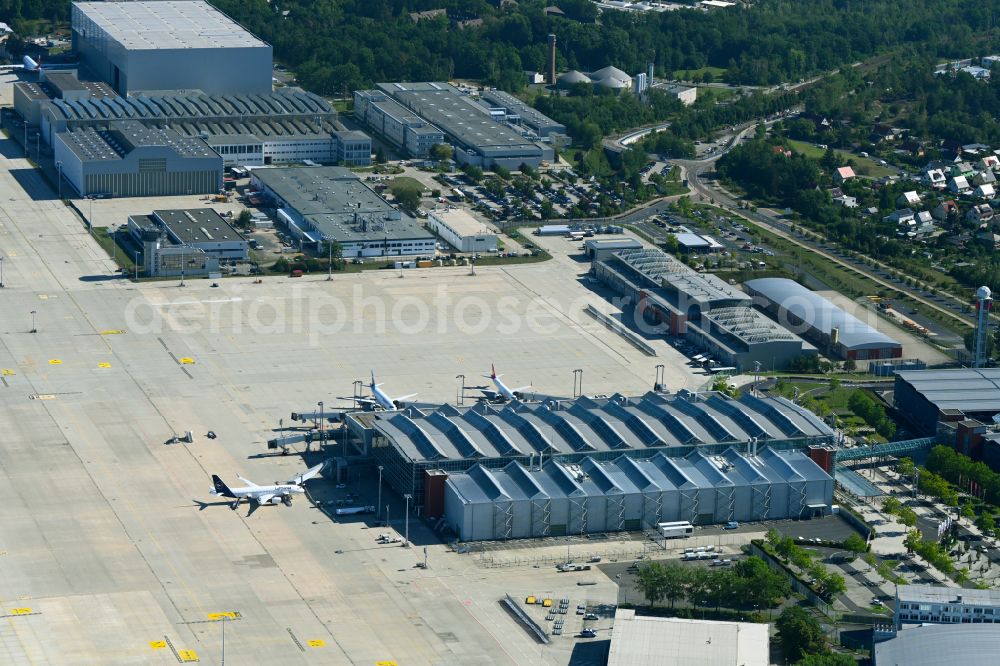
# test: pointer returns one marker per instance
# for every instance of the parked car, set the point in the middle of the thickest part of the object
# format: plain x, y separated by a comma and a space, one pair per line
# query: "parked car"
731, 525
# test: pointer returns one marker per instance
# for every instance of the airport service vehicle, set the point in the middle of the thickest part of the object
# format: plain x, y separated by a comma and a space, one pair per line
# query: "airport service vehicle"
731, 525
675, 530
381, 400
503, 393
573, 566
354, 510
258, 495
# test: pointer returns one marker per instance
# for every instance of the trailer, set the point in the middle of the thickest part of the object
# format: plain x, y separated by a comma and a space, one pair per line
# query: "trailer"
675, 530
354, 510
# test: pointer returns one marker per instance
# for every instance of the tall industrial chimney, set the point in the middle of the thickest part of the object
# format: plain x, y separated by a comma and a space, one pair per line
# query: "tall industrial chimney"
552, 60
649, 74
984, 303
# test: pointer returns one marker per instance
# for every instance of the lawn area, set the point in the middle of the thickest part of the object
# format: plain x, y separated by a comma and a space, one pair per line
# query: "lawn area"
404, 183
863, 165
688, 74
109, 246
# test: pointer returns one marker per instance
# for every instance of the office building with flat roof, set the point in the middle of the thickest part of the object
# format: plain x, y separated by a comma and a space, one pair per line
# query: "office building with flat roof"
396, 123
939, 604
477, 138
504, 107
129, 159
638, 640
462, 230
169, 45
321, 204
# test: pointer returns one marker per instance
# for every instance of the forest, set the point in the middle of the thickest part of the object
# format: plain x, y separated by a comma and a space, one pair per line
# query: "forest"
336, 46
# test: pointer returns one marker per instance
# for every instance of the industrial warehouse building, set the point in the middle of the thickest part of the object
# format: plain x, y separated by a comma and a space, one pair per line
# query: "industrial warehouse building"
461, 230
129, 159
321, 204
708, 311
826, 325
477, 138
419, 448
189, 241
939, 604
927, 398
560, 498
169, 45
285, 126
645, 640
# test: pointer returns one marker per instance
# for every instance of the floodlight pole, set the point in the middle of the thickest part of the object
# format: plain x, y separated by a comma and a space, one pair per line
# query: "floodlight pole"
378, 506
34, 329
406, 537
461, 392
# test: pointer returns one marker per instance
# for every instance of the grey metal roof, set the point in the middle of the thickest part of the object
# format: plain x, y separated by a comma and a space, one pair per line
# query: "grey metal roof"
122, 137
338, 204
457, 114
592, 425
529, 116
936, 644
167, 24
197, 106
624, 475
819, 313
747, 325
197, 225
966, 389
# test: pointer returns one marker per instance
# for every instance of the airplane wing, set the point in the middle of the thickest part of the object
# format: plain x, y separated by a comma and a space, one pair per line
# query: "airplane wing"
522, 389
405, 397
308, 474
367, 401
263, 499
490, 393
247, 481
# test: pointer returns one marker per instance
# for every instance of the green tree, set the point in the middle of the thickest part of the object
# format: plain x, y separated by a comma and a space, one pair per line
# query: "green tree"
441, 152
907, 516
834, 585
799, 634
828, 659
906, 467
855, 543
986, 522
912, 540
891, 505
244, 220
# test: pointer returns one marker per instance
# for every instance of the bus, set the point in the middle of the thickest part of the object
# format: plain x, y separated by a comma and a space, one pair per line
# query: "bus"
676, 530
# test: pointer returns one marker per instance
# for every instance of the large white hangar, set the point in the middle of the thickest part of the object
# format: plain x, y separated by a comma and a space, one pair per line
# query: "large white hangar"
419, 448
560, 498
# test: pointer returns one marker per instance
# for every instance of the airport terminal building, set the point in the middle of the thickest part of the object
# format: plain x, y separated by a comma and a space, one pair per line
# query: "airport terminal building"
333, 204
825, 324
169, 45
708, 311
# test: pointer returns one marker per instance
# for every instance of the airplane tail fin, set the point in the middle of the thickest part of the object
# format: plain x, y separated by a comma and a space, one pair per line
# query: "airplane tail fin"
373, 381
221, 488
493, 372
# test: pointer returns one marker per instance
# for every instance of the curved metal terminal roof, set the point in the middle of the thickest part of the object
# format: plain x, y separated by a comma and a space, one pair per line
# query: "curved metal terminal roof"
819, 313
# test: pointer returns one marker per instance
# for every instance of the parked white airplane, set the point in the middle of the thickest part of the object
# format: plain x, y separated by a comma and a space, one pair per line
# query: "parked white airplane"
260, 495
381, 400
503, 392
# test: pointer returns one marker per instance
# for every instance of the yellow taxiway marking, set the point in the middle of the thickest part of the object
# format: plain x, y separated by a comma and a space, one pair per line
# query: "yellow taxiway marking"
187, 655
112, 331
316, 642
157, 645
103, 365
7, 372
186, 360
43, 297
386, 663
55, 361
229, 615
43, 396
20, 611
11, 253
